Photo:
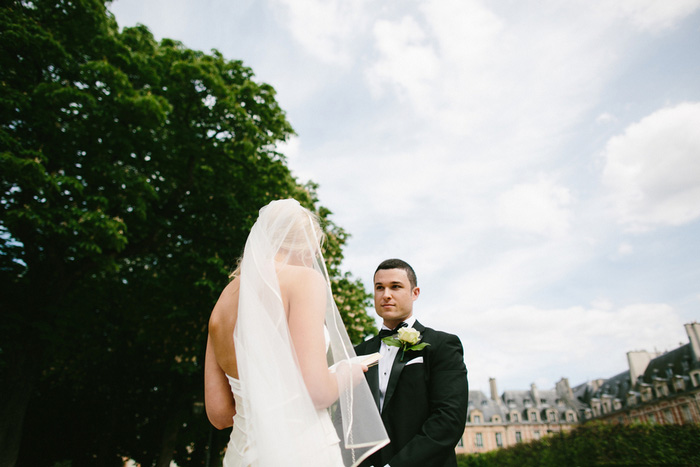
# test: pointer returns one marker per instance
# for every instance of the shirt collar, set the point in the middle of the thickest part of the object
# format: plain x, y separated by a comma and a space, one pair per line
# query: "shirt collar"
410, 321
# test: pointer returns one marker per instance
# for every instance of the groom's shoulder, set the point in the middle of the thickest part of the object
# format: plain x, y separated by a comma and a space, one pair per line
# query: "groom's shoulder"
435, 335
363, 344
427, 331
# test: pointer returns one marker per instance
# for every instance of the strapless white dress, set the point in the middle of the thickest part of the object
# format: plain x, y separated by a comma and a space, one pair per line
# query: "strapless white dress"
242, 451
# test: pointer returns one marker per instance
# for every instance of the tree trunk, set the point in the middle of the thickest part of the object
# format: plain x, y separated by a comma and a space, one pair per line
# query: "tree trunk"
169, 443
14, 400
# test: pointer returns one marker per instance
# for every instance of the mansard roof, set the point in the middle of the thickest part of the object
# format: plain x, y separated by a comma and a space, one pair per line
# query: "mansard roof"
479, 401
676, 362
618, 386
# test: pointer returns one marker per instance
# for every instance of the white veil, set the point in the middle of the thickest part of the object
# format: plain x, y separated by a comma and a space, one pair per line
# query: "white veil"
285, 427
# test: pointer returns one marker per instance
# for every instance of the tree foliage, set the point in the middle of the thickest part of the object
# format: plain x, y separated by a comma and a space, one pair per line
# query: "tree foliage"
600, 444
131, 171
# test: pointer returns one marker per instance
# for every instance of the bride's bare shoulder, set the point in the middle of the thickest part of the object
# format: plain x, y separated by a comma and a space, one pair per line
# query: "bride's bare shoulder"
227, 304
295, 278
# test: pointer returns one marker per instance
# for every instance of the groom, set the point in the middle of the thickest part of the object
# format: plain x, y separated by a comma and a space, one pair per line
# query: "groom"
422, 393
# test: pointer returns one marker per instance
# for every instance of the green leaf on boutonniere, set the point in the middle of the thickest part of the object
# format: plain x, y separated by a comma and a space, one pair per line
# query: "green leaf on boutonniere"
406, 339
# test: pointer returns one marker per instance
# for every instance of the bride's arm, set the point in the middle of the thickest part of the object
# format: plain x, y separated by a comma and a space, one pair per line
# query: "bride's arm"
218, 399
306, 292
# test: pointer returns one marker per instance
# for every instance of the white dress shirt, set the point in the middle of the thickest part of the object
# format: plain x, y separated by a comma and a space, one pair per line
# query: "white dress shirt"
388, 354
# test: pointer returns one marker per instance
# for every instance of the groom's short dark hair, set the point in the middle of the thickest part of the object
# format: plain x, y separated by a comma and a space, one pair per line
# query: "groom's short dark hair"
399, 264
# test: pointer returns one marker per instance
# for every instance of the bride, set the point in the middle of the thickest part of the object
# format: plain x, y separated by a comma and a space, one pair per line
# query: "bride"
279, 365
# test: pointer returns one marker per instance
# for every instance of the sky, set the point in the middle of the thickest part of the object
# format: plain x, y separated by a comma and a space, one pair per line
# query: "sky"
536, 162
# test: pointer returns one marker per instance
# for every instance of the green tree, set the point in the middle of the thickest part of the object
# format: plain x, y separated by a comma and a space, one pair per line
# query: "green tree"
131, 172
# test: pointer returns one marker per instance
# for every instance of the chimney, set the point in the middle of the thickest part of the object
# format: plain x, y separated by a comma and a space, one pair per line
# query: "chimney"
564, 389
638, 361
693, 330
494, 390
535, 395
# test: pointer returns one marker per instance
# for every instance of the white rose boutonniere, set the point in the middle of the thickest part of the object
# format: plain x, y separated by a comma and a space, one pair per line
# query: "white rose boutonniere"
406, 339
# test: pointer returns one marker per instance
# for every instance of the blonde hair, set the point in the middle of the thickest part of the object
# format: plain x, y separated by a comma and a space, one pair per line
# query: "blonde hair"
288, 218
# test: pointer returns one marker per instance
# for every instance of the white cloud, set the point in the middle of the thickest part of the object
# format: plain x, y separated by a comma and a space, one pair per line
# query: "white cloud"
625, 249
605, 118
653, 169
521, 342
650, 15
325, 28
406, 62
540, 208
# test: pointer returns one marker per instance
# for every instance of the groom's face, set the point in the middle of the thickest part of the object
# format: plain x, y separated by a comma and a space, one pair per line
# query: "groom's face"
393, 296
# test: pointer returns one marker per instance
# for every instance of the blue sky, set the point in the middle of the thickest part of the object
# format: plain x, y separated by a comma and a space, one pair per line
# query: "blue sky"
537, 162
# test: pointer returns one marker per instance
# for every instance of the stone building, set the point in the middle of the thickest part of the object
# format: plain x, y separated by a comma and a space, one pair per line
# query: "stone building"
517, 416
657, 388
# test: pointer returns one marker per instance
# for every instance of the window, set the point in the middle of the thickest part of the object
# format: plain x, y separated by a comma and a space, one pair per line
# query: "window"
533, 416
476, 418
570, 417
514, 417
537, 434
696, 378
460, 443
679, 384
499, 440
518, 437
552, 416
479, 441
668, 416
496, 419
687, 415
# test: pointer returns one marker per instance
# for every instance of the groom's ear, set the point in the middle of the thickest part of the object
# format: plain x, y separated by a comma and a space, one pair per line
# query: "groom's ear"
415, 293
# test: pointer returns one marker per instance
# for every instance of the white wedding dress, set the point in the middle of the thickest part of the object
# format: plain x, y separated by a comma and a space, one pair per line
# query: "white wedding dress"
276, 423
242, 451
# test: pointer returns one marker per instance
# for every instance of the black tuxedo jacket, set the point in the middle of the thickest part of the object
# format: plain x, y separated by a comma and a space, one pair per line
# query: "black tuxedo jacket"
425, 406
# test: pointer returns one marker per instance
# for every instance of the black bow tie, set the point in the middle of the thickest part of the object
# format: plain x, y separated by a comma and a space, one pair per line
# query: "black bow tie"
390, 332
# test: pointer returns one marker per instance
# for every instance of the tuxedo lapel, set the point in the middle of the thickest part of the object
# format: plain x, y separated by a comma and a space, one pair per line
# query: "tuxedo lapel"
397, 368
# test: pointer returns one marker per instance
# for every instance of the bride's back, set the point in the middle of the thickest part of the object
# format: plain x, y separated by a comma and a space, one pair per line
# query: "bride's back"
221, 326
293, 280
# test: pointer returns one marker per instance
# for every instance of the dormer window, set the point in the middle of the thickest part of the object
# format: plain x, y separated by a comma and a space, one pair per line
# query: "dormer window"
661, 389
532, 416
679, 384
695, 378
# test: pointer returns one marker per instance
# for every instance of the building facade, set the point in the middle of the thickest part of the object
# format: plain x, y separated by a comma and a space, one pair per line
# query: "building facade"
661, 388
517, 416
